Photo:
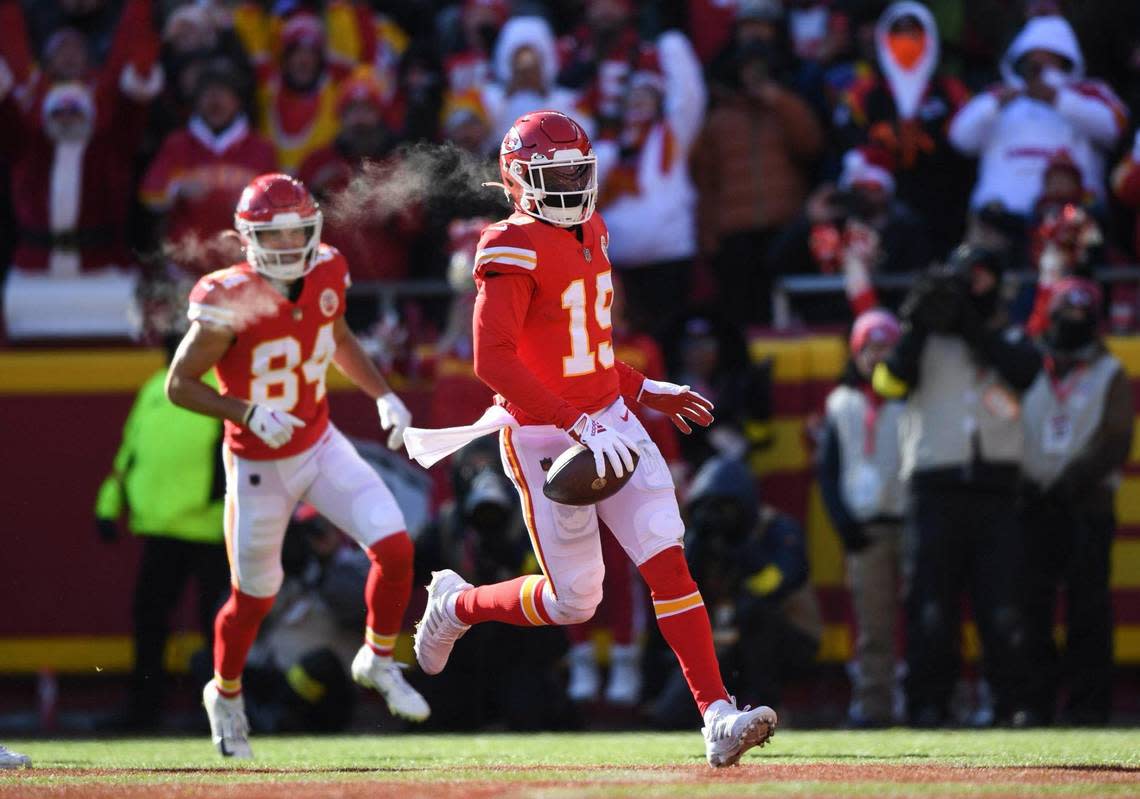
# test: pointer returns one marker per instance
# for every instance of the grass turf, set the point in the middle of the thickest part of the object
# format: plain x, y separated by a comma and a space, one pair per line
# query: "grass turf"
833, 763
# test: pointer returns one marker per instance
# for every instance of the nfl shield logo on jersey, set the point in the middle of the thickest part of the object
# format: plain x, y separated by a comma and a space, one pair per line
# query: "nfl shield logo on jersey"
329, 302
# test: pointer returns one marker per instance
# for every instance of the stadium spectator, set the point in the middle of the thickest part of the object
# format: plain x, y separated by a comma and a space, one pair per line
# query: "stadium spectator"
376, 240
468, 43
168, 481
962, 369
70, 179
752, 168
645, 189
859, 481
1078, 420
751, 563
1044, 103
194, 182
598, 59
857, 229
904, 108
758, 26
297, 94
1066, 244
524, 68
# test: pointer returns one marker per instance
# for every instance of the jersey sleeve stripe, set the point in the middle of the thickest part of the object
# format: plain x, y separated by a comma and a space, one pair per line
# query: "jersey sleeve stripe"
519, 251
211, 314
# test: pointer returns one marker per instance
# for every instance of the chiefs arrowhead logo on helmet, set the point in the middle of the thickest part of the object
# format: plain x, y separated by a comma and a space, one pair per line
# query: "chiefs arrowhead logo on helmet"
549, 169
280, 226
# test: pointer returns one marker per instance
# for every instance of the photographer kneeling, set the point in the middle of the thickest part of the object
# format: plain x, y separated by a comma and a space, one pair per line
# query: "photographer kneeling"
962, 370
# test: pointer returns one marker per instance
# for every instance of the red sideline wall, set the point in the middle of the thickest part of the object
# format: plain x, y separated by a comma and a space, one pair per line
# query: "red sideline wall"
66, 594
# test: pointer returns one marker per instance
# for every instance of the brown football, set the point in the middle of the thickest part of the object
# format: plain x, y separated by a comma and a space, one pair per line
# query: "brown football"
573, 479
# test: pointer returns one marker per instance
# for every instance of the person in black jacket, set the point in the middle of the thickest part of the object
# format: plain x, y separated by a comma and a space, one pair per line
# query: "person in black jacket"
963, 370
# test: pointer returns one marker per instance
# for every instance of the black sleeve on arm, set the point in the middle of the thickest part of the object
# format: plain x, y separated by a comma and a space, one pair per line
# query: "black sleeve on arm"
828, 469
904, 360
1012, 354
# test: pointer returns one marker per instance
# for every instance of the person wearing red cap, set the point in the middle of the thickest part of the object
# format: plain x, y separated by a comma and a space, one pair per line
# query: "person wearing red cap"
1077, 418
859, 480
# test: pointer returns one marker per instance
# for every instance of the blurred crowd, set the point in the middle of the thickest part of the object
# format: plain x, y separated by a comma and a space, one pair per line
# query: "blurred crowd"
739, 142
984, 150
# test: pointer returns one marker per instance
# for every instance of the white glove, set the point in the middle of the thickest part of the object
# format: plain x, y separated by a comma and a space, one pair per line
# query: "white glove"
605, 444
394, 417
273, 427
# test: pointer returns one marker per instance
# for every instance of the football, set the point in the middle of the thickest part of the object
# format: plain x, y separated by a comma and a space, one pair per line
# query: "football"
573, 478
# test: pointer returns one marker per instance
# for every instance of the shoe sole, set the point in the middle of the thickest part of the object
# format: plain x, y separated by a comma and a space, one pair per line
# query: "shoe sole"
756, 734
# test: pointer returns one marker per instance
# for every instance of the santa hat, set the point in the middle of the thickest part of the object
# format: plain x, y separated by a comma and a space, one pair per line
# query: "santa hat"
647, 72
303, 30
868, 165
69, 97
874, 327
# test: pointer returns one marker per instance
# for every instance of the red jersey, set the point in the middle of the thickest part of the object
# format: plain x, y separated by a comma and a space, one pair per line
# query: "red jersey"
282, 349
197, 178
543, 335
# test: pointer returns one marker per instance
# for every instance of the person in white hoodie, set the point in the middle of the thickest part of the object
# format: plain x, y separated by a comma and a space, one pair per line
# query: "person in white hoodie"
524, 67
646, 192
1043, 104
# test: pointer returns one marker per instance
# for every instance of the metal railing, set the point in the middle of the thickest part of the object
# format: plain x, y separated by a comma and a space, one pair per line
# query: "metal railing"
788, 286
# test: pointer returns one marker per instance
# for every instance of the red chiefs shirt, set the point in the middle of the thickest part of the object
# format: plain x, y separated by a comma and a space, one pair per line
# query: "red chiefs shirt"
543, 334
197, 178
282, 349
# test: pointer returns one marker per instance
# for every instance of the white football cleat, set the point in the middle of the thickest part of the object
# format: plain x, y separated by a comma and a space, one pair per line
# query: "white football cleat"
385, 676
624, 686
10, 759
584, 678
729, 732
439, 629
228, 725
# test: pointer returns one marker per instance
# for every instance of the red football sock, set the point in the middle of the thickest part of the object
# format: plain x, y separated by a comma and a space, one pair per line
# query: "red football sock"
684, 624
518, 602
387, 590
234, 630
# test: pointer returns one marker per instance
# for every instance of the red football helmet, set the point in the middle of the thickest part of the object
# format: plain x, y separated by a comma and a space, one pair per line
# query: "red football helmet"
549, 169
277, 202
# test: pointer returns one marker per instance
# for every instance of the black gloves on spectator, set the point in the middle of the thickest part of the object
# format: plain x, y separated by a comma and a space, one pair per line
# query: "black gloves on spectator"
935, 303
107, 529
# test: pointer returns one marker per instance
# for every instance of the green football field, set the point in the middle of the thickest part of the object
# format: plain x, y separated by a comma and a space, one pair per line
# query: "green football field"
804, 764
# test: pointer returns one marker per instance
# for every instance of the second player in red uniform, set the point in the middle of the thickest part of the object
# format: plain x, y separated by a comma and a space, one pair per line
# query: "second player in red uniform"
270, 326
543, 341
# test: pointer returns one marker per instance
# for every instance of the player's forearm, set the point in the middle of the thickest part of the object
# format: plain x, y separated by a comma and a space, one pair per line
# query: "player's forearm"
501, 369
194, 395
354, 363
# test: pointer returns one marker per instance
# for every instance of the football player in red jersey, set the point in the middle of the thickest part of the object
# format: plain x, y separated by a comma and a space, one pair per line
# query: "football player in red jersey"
543, 341
270, 326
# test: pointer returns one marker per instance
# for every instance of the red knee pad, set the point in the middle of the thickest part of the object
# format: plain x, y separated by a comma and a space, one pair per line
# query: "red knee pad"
667, 574
394, 554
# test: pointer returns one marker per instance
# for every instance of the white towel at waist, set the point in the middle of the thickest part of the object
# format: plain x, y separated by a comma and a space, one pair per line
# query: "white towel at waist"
427, 446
